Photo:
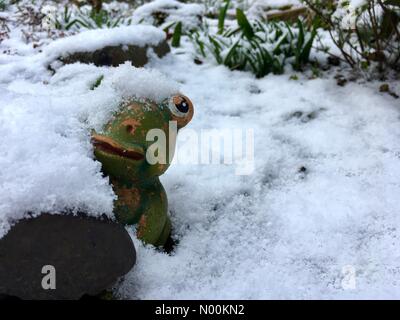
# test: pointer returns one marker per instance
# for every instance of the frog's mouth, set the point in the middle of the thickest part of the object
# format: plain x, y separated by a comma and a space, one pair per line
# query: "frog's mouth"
109, 146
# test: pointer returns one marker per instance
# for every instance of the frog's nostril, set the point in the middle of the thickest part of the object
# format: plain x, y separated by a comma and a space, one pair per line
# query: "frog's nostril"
129, 128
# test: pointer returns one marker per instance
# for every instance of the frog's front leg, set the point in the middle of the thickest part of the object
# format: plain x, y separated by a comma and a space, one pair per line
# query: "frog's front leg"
154, 225
145, 204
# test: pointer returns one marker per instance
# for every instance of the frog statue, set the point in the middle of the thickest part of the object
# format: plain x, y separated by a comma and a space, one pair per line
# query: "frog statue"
123, 148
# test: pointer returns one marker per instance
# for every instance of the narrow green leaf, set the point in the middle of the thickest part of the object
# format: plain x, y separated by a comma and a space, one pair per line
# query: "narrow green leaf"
300, 40
73, 22
229, 33
176, 37
277, 49
221, 16
395, 3
244, 24
305, 53
201, 47
97, 82
389, 23
166, 28
231, 52
116, 23
216, 50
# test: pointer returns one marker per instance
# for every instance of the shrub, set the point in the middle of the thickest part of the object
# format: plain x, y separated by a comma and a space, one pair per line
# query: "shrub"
367, 35
3, 5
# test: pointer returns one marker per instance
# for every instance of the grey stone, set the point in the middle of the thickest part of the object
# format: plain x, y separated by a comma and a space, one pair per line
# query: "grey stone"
115, 55
88, 254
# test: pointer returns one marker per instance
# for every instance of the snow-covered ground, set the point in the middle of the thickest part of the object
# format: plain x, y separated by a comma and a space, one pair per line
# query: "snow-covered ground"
317, 218
282, 232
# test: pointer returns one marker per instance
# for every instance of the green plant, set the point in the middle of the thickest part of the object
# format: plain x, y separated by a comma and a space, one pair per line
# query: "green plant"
99, 19
176, 37
97, 82
75, 18
3, 5
371, 36
222, 15
258, 46
64, 21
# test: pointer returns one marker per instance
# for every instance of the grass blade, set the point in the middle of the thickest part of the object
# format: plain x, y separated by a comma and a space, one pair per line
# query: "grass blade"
221, 17
244, 24
176, 37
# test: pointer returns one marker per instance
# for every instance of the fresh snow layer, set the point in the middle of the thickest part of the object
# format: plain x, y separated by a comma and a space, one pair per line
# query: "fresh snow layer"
46, 164
91, 40
273, 4
330, 231
187, 13
258, 8
35, 66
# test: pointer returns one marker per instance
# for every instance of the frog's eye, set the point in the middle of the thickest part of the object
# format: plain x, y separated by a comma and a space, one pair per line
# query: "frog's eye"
182, 109
179, 106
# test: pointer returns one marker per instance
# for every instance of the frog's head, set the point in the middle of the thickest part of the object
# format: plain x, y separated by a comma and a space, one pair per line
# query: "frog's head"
122, 145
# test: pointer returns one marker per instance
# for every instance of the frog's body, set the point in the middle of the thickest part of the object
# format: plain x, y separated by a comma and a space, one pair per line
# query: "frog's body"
144, 204
122, 149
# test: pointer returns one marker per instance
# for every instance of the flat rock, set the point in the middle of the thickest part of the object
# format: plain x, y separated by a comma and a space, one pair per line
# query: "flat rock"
88, 256
116, 55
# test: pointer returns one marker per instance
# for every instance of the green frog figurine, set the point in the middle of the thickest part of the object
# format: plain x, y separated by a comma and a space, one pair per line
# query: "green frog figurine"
122, 148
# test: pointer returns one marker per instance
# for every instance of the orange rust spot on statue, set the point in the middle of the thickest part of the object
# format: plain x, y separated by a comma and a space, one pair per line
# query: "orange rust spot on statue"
131, 125
129, 197
134, 106
141, 226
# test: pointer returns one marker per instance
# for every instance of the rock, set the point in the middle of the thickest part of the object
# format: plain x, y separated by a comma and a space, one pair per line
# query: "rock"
116, 55
384, 88
291, 14
88, 256
334, 61
340, 81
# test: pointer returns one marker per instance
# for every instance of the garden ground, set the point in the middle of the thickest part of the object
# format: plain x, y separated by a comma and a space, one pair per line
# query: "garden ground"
317, 218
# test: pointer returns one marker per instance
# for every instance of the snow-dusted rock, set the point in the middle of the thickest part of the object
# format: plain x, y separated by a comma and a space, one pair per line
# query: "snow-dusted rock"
36, 66
111, 47
116, 55
63, 257
266, 8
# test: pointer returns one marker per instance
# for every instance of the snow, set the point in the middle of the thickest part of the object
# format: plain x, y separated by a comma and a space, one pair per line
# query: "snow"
281, 233
321, 205
47, 163
91, 40
187, 13
276, 3
273, 4
86, 41
357, 3
258, 8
